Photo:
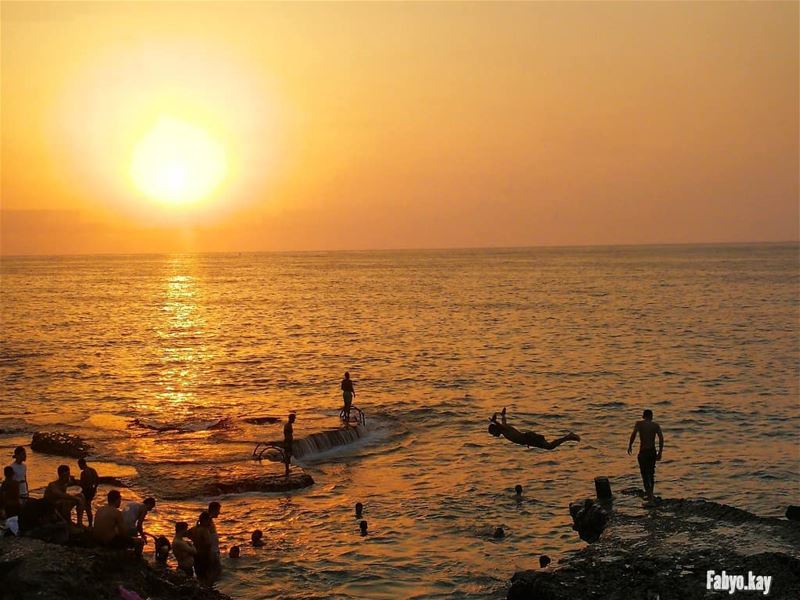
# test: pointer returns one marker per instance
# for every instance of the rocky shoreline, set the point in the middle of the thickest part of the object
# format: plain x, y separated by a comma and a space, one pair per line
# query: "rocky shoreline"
664, 551
30, 568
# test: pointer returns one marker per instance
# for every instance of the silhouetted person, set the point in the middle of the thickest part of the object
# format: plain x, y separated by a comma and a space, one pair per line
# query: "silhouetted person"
363, 527
518, 490
234, 552
183, 548
163, 548
348, 393
214, 508
544, 560
256, 538
134, 515
109, 527
288, 441
88, 482
647, 430
526, 438
10, 503
21, 471
56, 494
499, 533
359, 509
200, 535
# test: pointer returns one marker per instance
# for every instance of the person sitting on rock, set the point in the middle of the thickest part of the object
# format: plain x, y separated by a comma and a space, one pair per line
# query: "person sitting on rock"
134, 516
109, 527
10, 503
526, 438
56, 494
183, 549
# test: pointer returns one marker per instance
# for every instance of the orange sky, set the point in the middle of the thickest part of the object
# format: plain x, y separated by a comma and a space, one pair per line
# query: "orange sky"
413, 125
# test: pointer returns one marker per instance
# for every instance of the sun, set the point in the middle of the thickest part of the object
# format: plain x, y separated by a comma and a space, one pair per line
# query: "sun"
178, 163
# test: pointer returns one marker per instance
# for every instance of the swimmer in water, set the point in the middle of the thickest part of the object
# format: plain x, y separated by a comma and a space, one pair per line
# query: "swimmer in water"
526, 438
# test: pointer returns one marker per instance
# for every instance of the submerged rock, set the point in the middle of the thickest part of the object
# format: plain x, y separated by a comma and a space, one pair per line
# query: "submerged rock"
34, 569
261, 420
666, 549
296, 480
61, 444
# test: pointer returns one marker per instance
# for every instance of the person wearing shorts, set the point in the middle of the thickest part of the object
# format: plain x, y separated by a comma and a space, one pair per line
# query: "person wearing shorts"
526, 438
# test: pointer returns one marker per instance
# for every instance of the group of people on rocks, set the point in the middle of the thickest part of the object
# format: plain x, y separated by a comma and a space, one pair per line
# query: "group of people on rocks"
196, 549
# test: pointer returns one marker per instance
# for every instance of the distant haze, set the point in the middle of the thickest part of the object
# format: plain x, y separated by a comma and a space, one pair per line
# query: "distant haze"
405, 125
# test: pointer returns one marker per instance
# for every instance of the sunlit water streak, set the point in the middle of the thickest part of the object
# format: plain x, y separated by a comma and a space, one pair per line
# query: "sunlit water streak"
578, 339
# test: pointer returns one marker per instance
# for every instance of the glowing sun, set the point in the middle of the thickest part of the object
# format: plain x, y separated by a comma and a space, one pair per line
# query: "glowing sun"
178, 163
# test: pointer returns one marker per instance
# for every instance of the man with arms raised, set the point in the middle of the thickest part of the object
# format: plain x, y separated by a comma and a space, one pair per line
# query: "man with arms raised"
647, 430
109, 528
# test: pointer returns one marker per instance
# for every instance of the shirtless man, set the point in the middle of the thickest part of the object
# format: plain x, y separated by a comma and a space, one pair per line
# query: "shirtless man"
526, 438
183, 549
109, 528
288, 440
200, 535
88, 482
57, 496
648, 430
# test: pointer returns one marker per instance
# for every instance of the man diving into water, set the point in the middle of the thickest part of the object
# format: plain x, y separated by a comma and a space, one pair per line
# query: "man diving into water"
526, 438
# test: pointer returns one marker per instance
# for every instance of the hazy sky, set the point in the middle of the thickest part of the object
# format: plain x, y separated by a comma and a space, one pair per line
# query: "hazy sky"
409, 125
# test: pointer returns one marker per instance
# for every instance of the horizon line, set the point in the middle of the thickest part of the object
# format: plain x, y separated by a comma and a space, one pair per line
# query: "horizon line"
412, 249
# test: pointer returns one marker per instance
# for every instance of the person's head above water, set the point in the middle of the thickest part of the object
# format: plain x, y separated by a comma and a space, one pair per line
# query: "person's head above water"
362, 525
494, 429
359, 509
518, 489
256, 536
544, 560
214, 509
647, 415
234, 552
114, 498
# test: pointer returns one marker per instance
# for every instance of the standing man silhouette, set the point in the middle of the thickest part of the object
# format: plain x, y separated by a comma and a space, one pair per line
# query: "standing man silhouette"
348, 393
648, 430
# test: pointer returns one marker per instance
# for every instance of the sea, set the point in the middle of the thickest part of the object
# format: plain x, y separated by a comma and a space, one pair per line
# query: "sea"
156, 360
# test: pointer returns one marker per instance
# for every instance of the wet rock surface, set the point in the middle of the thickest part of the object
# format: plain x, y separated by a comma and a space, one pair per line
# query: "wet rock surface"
664, 550
60, 444
260, 483
34, 569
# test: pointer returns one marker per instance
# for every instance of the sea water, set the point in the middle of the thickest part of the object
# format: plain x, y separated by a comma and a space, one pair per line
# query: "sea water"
142, 355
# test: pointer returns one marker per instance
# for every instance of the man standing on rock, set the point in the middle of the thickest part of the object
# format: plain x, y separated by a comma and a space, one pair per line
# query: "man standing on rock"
288, 441
21, 471
88, 482
647, 430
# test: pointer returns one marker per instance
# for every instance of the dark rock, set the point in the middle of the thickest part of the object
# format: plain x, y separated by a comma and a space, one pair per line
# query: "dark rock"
261, 420
61, 444
793, 513
260, 483
665, 550
34, 569
589, 519
602, 488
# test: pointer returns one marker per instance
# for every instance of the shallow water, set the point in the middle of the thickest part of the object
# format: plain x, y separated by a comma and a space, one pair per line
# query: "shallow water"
567, 339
